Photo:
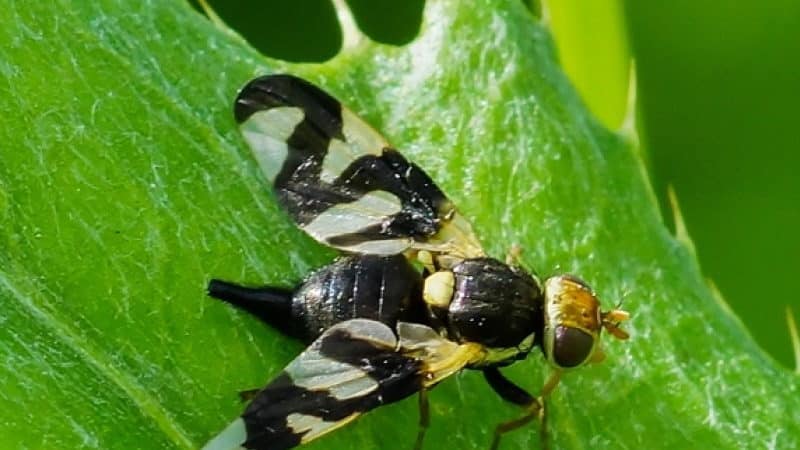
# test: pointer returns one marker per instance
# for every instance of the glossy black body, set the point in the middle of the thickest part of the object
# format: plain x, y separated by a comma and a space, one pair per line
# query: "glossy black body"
494, 304
386, 289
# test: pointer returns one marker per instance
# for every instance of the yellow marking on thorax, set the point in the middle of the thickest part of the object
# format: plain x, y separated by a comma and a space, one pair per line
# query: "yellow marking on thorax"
438, 290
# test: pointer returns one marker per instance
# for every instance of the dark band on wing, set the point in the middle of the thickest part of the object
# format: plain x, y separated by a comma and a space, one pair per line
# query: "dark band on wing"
381, 364
268, 419
423, 203
322, 121
323, 112
305, 196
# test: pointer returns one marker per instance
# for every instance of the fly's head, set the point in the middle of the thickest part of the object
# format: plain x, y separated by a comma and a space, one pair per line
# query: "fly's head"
573, 321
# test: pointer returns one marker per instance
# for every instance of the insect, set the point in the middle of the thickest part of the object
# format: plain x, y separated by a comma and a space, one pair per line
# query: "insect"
413, 300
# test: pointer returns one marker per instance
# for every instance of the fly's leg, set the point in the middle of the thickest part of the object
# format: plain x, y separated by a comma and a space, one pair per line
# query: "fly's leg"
533, 407
424, 418
532, 411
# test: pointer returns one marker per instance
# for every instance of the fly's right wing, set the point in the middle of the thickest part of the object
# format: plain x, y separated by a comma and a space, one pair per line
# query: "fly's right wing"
352, 368
339, 179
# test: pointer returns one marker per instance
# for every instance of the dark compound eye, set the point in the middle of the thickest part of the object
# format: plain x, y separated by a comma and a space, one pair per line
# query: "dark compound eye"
571, 346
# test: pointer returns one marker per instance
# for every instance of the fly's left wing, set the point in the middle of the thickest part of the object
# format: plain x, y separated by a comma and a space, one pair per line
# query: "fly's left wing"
352, 368
339, 179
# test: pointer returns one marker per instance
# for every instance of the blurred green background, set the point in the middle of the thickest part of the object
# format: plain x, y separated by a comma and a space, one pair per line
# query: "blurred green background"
717, 116
719, 94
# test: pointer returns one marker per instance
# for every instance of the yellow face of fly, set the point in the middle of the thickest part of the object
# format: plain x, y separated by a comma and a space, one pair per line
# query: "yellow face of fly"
573, 321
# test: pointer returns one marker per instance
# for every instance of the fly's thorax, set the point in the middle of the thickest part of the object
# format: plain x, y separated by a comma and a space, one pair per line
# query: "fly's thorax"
572, 322
495, 305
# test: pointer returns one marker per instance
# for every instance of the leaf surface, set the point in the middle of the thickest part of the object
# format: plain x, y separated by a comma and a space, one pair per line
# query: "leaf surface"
124, 187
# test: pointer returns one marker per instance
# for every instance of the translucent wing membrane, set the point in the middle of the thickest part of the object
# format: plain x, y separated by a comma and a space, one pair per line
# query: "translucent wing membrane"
339, 179
352, 368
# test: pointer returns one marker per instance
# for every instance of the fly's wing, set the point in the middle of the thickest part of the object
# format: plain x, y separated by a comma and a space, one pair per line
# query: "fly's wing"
353, 367
339, 179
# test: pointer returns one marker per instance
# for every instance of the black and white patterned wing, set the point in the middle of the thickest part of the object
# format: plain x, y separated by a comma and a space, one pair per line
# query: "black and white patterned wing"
352, 368
339, 179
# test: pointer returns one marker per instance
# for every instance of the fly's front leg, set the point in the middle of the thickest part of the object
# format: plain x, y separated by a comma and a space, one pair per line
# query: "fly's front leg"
533, 407
551, 383
506, 389
533, 411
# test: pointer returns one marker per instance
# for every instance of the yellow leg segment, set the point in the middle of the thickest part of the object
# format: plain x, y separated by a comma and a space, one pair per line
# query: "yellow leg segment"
535, 410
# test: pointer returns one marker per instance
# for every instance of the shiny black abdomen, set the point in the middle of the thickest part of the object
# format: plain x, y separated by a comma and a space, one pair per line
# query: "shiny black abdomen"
494, 304
386, 289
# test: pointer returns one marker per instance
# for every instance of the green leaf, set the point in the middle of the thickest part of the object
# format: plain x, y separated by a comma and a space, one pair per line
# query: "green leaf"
124, 187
